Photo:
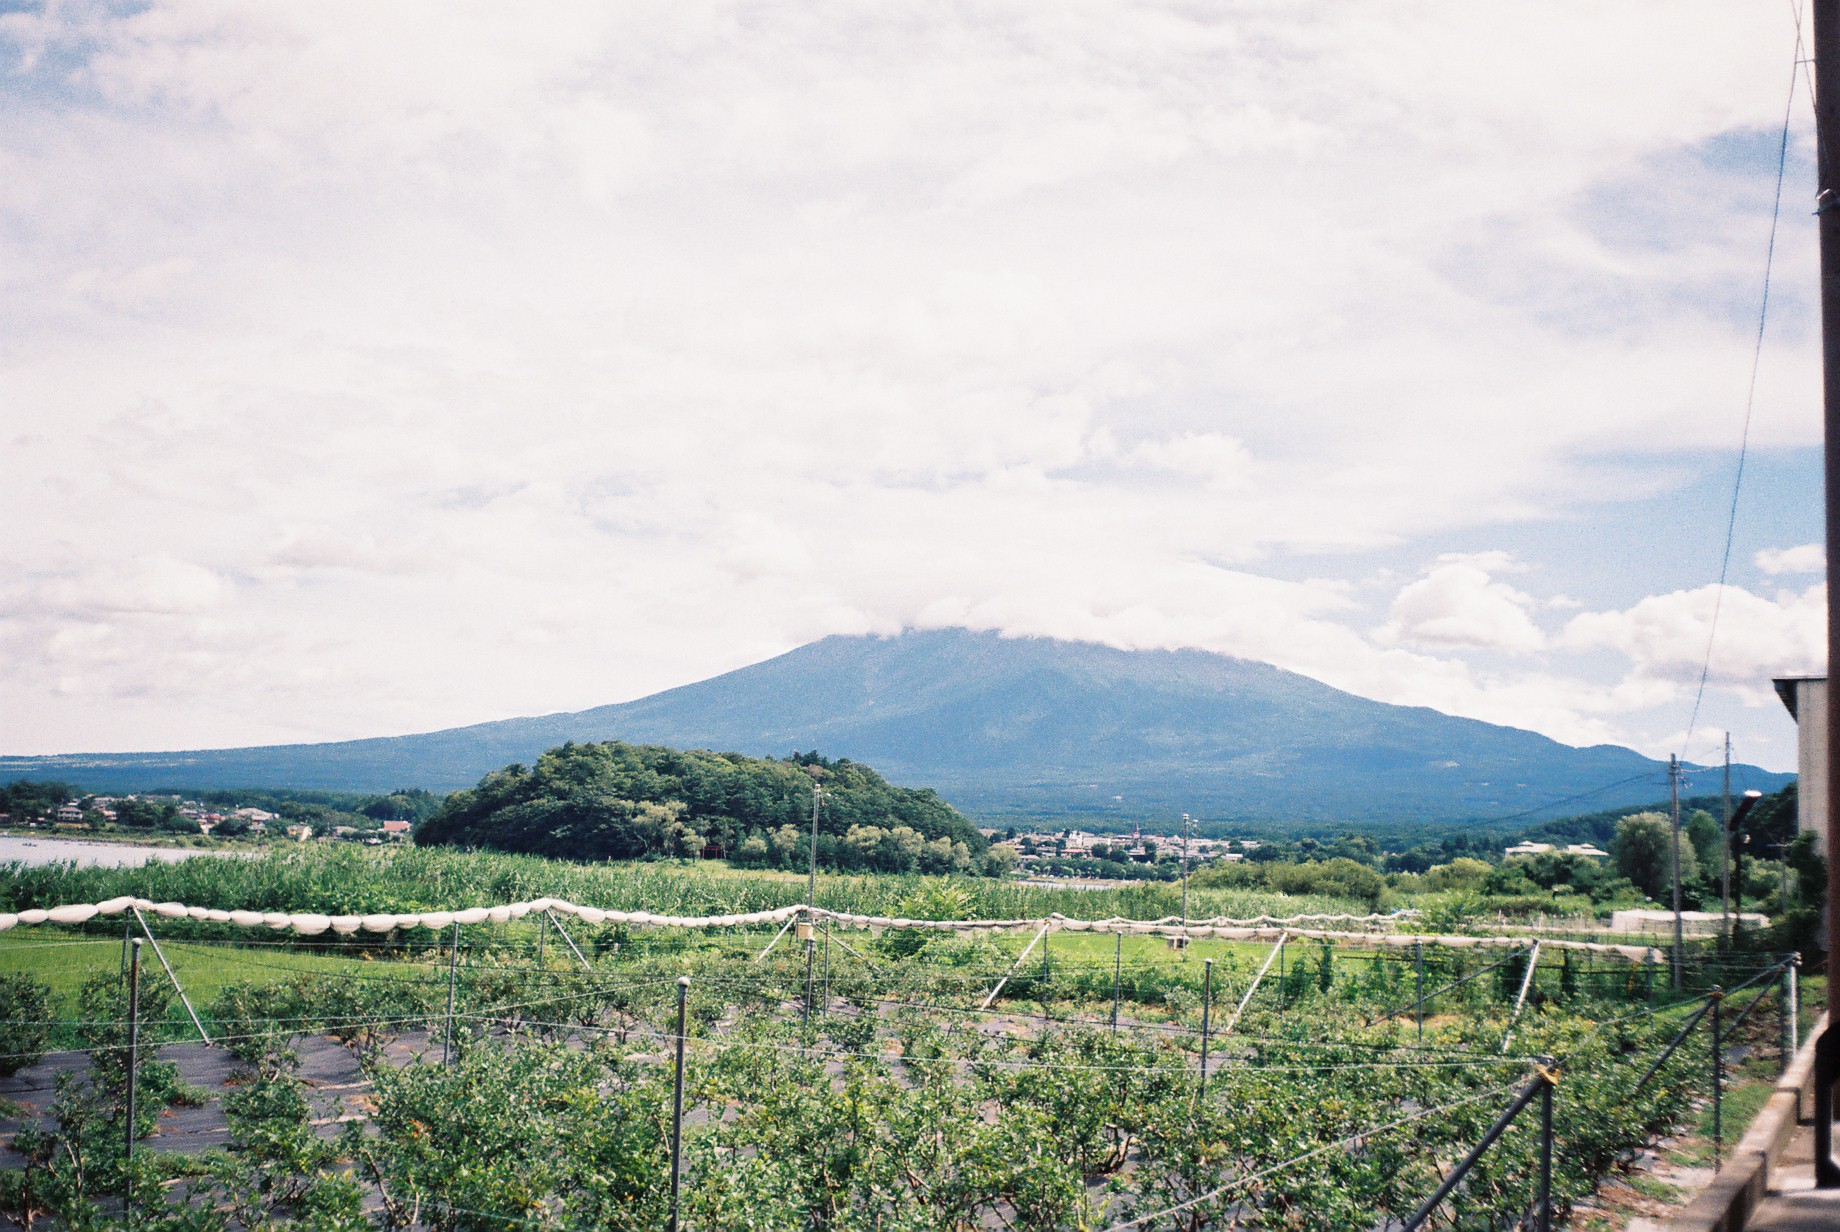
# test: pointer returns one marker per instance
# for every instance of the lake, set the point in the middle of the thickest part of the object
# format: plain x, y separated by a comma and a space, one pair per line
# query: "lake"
34, 851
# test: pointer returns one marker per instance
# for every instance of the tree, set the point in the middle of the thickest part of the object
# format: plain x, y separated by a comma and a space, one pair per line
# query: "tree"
1341, 876
1462, 873
623, 801
1771, 825
1702, 830
145, 814
1643, 848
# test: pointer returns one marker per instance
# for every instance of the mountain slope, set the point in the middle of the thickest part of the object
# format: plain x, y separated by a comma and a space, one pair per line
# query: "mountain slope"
1004, 726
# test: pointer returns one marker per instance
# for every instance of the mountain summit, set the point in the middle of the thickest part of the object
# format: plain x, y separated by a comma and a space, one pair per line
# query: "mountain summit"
1006, 726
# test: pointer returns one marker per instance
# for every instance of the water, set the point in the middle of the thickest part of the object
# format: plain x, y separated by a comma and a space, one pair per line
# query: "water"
36, 851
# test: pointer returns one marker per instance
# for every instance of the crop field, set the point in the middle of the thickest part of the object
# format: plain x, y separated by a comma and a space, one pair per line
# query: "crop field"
868, 1080
353, 880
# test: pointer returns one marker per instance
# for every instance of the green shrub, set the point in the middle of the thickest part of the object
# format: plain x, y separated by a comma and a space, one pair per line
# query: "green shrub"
25, 1021
1341, 877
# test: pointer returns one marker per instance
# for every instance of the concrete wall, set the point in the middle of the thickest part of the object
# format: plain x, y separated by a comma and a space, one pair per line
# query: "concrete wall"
1811, 758
1805, 697
1726, 1205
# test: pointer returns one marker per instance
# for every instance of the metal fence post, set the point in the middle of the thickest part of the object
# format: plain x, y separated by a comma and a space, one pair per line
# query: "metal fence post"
564, 934
1543, 1217
177, 986
677, 1103
1207, 1006
827, 966
1655, 1067
453, 976
805, 1012
1718, 1078
1418, 1012
1792, 1011
542, 935
1281, 988
134, 1049
1117, 976
1455, 1177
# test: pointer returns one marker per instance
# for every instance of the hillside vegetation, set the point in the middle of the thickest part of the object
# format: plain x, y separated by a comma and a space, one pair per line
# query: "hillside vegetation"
623, 801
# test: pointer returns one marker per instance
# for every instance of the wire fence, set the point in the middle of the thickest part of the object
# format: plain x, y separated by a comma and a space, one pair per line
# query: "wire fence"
902, 1014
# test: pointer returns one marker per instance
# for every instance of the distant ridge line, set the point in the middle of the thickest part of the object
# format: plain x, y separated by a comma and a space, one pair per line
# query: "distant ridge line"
1021, 728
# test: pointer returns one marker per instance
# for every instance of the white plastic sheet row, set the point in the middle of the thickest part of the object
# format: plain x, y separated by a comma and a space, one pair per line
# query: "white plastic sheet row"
1169, 924
1261, 928
309, 923
1174, 927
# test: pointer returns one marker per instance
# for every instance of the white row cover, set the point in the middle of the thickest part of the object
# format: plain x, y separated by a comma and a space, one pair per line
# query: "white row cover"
1169, 925
308, 923
1265, 929
1260, 928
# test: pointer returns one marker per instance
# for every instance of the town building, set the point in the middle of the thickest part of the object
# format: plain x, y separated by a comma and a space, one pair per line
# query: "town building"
1805, 697
1570, 849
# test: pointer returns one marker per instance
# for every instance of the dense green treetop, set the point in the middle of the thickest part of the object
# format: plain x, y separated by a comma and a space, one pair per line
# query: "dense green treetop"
1644, 853
621, 801
24, 799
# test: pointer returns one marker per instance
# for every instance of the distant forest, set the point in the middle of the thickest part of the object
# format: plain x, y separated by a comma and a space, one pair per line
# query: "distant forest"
614, 800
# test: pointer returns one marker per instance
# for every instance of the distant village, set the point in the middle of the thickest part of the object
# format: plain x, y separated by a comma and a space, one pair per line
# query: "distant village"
171, 814
1122, 856
1036, 851
1049, 846
1137, 855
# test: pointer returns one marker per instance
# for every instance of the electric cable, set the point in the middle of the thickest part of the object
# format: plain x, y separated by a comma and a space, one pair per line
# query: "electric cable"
1750, 398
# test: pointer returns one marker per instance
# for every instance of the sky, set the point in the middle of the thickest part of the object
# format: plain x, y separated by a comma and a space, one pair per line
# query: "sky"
369, 369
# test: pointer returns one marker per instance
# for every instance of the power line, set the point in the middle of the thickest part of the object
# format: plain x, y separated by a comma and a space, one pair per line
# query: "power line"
1750, 396
1583, 795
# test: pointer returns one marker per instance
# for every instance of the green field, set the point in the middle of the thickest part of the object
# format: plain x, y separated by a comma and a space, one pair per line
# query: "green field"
887, 1100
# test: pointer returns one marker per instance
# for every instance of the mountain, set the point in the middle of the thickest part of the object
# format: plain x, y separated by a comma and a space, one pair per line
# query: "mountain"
1006, 727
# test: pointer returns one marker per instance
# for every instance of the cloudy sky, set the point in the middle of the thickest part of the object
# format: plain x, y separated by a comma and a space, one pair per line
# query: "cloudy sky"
368, 369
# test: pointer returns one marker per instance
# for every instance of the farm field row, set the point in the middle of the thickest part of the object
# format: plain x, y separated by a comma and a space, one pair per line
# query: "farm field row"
540, 1095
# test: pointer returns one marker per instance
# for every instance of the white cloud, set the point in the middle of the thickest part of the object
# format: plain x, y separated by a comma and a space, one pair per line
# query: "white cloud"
1206, 456
480, 363
1459, 604
1804, 558
146, 585
1666, 637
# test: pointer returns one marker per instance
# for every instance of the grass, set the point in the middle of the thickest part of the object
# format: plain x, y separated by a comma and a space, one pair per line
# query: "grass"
346, 879
1652, 1189
64, 962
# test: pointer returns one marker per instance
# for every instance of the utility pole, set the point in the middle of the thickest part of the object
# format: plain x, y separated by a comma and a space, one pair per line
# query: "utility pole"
1188, 828
1725, 854
1826, 15
811, 882
1674, 811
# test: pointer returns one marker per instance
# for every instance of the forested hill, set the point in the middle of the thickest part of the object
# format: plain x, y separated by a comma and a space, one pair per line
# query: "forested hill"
622, 801
1013, 728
